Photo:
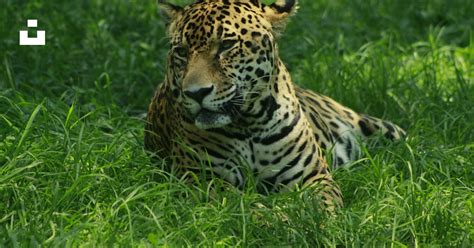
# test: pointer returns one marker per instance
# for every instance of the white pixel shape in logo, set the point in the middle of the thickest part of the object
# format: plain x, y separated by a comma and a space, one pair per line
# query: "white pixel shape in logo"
39, 40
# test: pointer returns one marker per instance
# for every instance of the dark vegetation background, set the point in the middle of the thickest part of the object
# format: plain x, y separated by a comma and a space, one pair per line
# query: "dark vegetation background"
73, 170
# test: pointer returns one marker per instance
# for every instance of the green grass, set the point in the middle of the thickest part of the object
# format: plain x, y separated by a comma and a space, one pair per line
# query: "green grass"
73, 170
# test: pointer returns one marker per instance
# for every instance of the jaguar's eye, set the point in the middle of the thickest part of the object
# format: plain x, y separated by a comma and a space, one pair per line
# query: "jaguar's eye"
226, 45
181, 51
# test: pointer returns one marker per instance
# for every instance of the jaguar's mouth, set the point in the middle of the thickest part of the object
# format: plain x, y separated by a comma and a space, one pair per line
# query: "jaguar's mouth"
206, 119
225, 114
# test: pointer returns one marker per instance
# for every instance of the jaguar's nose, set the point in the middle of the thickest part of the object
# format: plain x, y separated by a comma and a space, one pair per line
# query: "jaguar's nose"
198, 94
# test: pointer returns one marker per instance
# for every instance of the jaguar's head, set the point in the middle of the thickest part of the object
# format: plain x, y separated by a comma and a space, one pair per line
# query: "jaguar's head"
223, 56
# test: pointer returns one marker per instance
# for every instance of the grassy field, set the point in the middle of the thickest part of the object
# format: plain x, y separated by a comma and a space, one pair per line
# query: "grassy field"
73, 170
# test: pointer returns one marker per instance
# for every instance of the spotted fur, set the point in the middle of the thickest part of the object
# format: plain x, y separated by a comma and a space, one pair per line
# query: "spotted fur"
228, 101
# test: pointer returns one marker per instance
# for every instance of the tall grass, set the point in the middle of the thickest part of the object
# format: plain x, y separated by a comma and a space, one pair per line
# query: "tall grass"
73, 170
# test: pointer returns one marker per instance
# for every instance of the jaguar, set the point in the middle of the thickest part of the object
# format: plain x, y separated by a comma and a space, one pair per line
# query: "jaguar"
228, 106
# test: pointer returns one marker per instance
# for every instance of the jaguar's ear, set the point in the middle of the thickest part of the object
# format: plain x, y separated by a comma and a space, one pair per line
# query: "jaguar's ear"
278, 12
169, 13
